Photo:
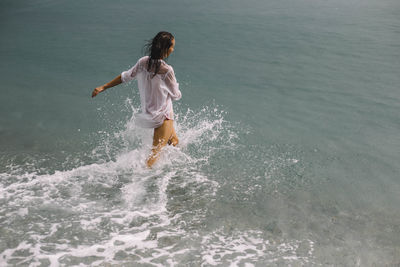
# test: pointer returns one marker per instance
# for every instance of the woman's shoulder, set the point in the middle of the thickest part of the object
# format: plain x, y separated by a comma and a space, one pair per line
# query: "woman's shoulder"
166, 65
143, 59
164, 68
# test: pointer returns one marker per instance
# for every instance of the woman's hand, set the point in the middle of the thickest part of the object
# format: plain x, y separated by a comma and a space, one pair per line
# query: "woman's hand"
117, 80
98, 90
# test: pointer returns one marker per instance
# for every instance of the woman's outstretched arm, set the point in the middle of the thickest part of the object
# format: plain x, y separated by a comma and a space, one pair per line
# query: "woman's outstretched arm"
117, 80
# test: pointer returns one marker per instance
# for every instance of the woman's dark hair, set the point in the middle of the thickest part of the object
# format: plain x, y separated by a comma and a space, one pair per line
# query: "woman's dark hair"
157, 48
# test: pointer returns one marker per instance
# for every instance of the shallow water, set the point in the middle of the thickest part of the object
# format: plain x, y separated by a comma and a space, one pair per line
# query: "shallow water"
288, 128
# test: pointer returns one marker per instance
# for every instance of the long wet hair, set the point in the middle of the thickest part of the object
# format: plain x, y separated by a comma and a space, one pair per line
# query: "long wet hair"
157, 48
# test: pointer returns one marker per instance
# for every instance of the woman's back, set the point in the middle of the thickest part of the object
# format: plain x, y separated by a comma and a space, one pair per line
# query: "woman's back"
156, 91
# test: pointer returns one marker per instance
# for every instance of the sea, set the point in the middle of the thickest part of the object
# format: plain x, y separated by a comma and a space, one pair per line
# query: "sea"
289, 130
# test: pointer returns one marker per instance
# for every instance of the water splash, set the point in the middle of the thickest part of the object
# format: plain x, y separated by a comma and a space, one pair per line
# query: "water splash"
98, 212
114, 210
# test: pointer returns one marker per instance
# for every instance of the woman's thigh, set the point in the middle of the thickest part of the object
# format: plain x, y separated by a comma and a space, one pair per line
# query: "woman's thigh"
163, 133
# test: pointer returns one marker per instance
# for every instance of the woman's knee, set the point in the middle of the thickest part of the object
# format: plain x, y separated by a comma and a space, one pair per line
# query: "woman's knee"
174, 141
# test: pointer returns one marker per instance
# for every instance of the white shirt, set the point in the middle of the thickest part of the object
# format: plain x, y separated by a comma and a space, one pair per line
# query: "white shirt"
156, 93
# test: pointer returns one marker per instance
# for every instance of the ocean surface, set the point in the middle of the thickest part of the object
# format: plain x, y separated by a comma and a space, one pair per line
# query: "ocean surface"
289, 132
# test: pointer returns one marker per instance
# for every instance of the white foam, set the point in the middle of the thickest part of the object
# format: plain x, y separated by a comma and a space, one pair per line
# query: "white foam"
144, 195
250, 247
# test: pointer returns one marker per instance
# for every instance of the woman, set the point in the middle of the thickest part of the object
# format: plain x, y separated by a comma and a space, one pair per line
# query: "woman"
158, 87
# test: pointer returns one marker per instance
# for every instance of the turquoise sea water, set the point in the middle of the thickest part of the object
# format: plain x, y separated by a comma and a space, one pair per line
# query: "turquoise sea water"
289, 135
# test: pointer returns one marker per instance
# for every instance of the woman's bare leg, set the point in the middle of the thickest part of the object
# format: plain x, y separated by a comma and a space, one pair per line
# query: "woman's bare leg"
163, 135
173, 140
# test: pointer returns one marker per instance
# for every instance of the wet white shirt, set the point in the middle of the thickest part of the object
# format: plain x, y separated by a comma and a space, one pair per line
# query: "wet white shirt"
156, 93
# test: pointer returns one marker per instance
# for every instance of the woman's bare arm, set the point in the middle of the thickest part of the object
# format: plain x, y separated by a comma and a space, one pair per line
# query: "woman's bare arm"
117, 80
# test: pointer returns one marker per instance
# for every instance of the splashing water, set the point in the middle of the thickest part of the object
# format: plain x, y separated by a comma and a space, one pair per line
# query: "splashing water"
115, 210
